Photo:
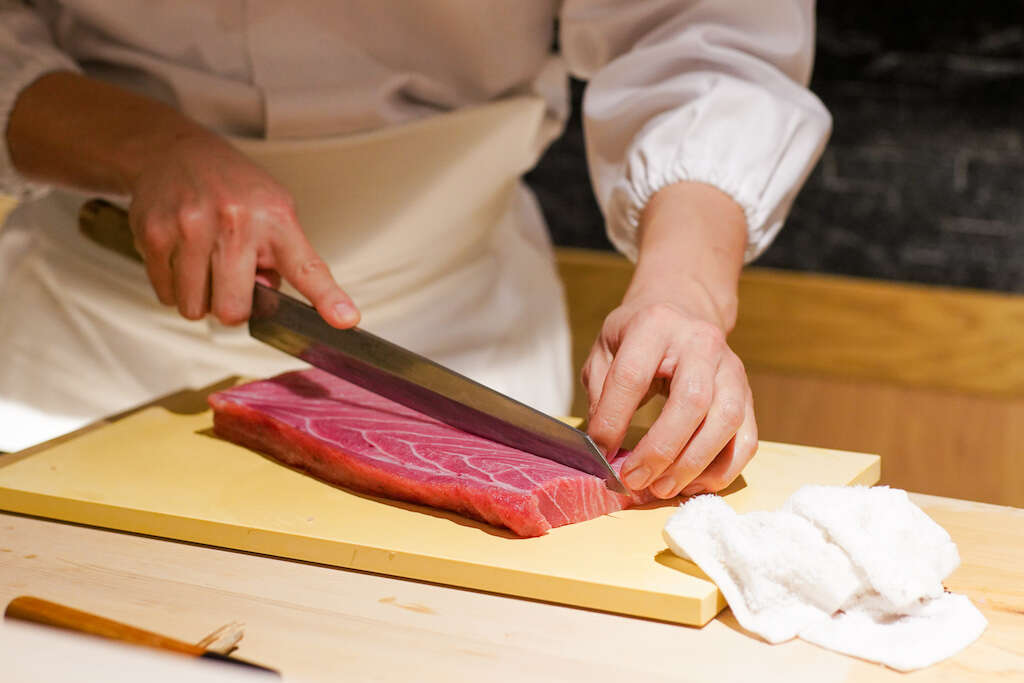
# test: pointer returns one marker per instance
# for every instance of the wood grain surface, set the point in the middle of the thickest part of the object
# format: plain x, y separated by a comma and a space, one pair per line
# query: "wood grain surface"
45, 612
316, 623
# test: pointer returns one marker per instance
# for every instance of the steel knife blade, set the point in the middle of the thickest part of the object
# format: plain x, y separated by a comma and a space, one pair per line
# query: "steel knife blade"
385, 368
408, 378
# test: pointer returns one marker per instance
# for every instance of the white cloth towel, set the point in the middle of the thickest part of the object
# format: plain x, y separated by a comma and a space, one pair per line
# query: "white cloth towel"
854, 569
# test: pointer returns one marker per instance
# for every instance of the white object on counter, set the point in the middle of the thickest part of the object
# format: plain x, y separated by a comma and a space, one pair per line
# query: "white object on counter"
854, 569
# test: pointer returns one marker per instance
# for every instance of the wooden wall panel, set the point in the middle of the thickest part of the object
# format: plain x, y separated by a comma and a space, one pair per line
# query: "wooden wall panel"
912, 335
943, 443
930, 378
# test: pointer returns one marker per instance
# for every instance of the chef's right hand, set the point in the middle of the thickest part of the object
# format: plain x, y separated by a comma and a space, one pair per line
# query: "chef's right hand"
209, 223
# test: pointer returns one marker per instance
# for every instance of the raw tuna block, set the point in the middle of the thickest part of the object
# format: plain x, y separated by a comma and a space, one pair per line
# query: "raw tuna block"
346, 435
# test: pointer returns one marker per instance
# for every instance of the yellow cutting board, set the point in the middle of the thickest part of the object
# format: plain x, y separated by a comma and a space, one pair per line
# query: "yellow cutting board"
161, 471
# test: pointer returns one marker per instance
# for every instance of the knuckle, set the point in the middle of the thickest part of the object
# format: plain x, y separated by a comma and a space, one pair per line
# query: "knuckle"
602, 427
689, 469
695, 394
653, 317
155, 240
231, 235
614, 321
731, 413
191, 222
279, 208
312, 267
629, 377
230, 212
709, 335
663, 313
285, 206
662, 453
273, 195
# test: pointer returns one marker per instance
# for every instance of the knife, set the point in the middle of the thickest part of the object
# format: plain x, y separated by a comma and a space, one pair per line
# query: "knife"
388, 369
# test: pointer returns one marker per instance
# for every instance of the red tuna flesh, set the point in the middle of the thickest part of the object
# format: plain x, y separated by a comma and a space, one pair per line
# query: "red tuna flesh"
346, 435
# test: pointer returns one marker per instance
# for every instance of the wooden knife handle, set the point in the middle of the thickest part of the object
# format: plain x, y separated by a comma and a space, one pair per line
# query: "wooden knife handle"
39, 611
107, 225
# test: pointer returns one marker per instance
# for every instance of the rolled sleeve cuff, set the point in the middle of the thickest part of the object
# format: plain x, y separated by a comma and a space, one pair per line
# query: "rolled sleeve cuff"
760, 163
631, 196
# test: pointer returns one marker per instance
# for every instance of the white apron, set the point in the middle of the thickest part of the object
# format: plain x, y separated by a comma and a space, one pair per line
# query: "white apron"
426, 225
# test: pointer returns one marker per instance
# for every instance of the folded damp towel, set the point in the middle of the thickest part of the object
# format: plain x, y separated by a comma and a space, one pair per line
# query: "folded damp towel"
855, 569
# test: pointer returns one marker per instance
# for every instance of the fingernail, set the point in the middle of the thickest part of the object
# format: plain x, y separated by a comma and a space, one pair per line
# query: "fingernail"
637, 478
693, 490
663, 487
345, 312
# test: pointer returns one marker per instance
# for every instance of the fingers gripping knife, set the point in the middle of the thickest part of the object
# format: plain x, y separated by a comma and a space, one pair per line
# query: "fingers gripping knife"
388, 369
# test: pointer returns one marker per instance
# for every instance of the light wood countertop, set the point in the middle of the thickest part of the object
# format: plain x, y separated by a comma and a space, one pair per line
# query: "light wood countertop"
318, 623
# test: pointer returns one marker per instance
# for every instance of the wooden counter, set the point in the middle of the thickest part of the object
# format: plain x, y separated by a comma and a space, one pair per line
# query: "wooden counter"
317, 623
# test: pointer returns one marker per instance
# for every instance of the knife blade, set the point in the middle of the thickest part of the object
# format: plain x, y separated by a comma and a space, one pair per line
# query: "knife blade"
387, 369
419, 383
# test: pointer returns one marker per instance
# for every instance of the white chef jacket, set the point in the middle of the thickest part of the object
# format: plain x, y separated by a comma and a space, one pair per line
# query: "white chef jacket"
703, 90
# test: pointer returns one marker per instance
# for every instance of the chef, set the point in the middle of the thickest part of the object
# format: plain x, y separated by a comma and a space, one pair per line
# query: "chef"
368, 154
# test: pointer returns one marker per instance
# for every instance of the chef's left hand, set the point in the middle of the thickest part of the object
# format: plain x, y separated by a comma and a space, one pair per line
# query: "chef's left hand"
669, 336
706, 431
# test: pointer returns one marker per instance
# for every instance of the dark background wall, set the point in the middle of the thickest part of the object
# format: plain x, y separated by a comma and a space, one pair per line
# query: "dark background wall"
923, 179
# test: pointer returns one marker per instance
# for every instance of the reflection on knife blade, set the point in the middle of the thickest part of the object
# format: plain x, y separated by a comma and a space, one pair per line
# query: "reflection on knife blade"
419, 383
387, 369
